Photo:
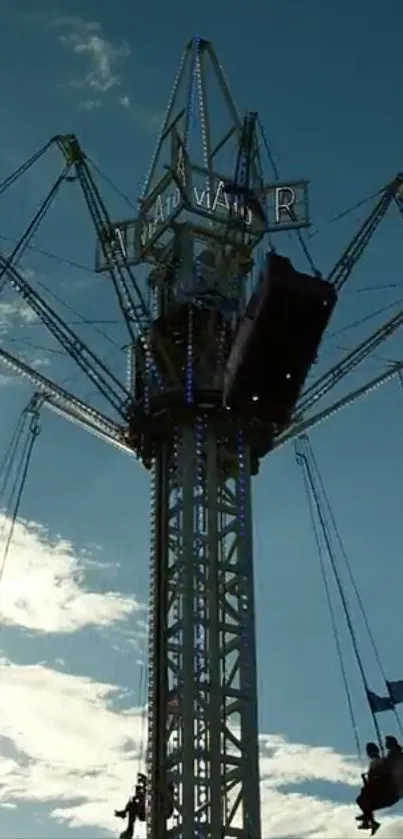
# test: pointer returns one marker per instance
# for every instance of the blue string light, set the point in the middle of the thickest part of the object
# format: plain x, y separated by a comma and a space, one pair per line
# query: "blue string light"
241, 485
189, 359
151, 596
191, 107
192, 92
200, 638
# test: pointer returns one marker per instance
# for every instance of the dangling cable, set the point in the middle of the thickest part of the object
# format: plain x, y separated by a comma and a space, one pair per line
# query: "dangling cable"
142, 757
276, 174
32, 228
143, 704
269, 152
302, 461
7, 463
17, 491
354, 585
25, 166
323, 524
307, 253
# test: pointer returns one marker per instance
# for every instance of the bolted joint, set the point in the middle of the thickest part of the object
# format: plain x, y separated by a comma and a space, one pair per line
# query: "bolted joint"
70, 148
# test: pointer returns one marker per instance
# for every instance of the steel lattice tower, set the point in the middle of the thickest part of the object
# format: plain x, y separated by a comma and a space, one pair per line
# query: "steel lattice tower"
204, 209
203, 718
202, 723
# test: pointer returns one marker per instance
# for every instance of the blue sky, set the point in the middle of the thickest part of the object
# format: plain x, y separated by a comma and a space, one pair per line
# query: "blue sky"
326, 80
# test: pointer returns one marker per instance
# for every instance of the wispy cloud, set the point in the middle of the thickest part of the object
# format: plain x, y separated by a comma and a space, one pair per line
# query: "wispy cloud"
70, 742
67, 733
13, 316
68, 736
67, 746
15, 313
90, 104
101, 59
124, 101
43, 586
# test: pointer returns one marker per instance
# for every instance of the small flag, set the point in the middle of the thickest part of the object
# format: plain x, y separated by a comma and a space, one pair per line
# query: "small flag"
396, 691
380, 703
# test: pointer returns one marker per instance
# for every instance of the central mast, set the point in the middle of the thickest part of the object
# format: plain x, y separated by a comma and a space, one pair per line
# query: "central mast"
196, 229
202, 689
202, 677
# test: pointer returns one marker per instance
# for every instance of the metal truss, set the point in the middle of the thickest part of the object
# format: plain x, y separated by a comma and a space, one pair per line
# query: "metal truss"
203, 728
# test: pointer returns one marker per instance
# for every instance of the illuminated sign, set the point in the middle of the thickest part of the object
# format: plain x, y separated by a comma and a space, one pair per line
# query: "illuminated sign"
215, 202
207, 199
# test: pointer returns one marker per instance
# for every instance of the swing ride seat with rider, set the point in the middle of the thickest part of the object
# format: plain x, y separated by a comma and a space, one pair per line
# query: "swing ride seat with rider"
136, 806
379, 789
383, 782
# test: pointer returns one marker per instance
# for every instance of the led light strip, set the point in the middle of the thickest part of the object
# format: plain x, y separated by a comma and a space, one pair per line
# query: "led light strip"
151, 638
189, 359
200, 634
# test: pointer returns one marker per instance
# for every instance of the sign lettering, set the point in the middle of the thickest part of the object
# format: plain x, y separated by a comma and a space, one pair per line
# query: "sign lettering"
214, 203
285, 206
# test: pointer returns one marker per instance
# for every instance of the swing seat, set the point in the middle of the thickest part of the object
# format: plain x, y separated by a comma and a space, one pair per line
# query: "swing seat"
141, 814
379, 794
396, 771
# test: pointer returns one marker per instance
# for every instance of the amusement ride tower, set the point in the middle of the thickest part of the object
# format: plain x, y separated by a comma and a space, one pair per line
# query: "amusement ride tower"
198, 225
217, 363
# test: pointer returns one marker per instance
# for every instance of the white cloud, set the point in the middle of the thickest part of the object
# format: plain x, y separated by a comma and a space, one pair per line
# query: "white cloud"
43, 586
15, 313
90, 104
124, 101
298, 814
71, 741
40, 361
102, 61
287, 763
102, 57
5, 381
148, 120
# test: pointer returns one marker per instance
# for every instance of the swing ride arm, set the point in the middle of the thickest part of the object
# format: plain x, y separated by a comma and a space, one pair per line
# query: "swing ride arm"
333, 376
90, 364
133, 307
133, 310
61, 401
309, 423
130, 299
328, 540
355, 249
338, 277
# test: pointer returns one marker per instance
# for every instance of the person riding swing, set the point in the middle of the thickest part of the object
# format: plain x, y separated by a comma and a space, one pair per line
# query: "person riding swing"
378, 791
135, 807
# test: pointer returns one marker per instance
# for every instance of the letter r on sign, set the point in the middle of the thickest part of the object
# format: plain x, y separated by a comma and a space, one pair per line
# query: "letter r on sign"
284, 203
